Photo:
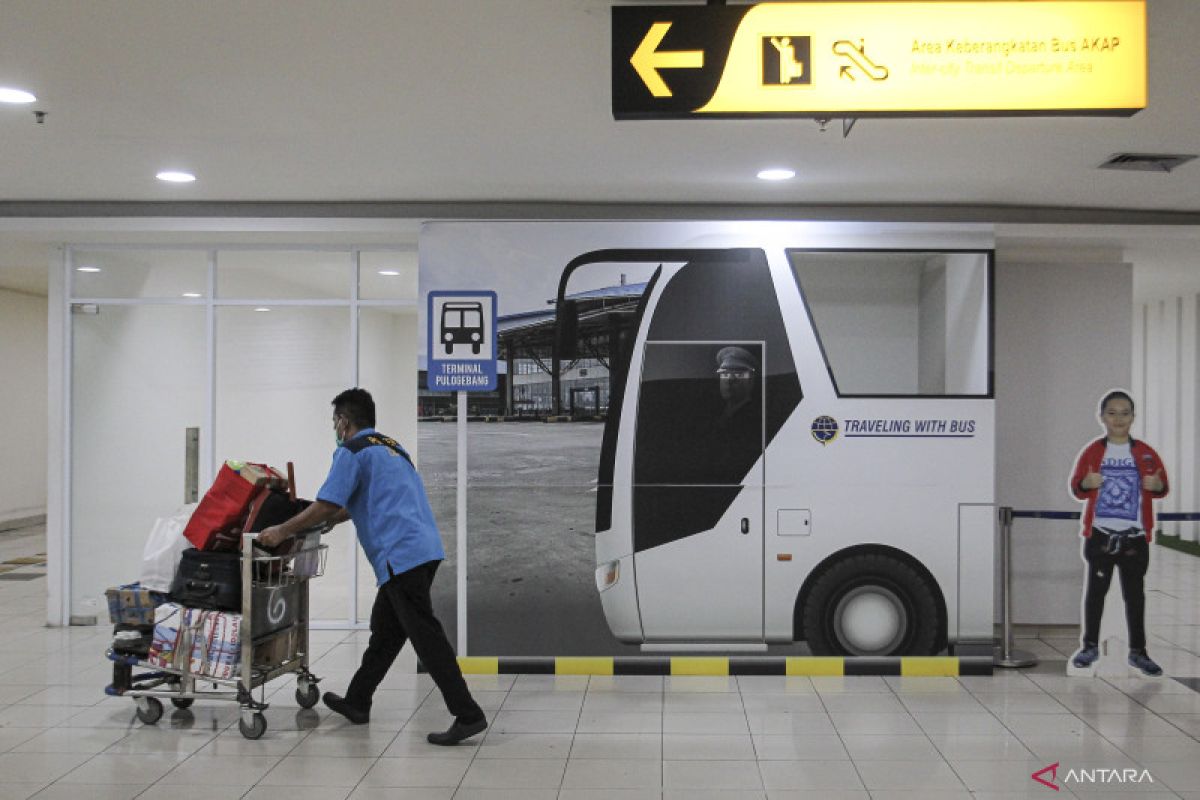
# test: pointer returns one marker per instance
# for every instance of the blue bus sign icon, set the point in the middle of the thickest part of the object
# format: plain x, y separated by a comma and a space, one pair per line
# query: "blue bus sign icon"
462, 341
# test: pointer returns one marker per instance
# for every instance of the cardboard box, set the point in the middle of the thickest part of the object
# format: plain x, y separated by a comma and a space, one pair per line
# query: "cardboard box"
133, 605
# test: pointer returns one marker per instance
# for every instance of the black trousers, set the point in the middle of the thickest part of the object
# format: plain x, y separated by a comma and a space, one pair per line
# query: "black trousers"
1131, 564
403, 610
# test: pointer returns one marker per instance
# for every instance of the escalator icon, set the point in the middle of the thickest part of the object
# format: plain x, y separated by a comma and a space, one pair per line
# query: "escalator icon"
858, 61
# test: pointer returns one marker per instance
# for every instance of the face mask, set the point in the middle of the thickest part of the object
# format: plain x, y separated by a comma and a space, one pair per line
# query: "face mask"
337, 436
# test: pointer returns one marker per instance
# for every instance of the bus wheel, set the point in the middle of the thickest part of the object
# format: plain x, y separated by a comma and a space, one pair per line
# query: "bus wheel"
871, 605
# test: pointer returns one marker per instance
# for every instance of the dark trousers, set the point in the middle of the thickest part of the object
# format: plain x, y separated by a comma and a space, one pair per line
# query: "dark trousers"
403, 610
1132, 563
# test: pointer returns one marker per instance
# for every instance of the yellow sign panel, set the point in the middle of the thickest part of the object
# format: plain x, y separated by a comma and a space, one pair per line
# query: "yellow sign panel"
839, 58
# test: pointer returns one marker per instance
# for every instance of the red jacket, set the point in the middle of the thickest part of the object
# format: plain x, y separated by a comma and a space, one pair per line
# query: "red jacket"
1148, 463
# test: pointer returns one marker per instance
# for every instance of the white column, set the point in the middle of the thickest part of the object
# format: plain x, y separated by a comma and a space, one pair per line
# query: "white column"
1150, 407
1137, 383
1167, 442
58, 553
1185, 483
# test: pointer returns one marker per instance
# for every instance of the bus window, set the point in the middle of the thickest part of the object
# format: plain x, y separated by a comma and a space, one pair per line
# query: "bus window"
699, 434
728, 296
700, 413
899, 323
717, 383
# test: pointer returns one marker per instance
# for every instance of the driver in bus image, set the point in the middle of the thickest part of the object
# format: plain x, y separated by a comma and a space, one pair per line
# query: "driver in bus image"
736, 370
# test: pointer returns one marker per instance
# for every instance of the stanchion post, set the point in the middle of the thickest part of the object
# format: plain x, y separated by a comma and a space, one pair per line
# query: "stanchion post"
1008, 657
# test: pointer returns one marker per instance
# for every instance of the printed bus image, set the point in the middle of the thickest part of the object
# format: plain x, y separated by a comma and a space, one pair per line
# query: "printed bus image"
799, 447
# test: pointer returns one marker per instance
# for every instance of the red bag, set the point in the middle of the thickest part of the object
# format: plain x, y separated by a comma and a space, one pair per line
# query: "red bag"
224, 505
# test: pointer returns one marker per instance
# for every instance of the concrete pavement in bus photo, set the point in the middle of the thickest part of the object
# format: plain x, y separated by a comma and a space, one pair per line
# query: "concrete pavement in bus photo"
531, 536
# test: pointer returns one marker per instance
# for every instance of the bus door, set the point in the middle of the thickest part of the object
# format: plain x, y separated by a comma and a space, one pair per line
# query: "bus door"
698, 490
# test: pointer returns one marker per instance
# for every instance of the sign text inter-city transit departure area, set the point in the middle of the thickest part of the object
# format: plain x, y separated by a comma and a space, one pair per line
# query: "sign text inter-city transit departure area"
810, 59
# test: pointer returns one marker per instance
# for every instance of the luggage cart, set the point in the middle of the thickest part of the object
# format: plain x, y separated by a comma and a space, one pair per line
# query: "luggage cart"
273, 641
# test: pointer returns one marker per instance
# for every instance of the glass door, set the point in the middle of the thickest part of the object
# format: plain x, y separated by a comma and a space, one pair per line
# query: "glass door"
138, 382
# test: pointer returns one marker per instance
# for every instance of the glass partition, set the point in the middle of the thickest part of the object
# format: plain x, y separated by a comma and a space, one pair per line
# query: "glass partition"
388, 275
284, 274
277, 370
161, 274
254, 368
137, 384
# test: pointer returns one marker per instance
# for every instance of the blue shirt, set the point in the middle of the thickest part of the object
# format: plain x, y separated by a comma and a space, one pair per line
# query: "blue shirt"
1118, 505
386, 500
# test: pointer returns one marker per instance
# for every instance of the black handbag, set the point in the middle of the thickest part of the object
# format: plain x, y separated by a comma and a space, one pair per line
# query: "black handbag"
208, 579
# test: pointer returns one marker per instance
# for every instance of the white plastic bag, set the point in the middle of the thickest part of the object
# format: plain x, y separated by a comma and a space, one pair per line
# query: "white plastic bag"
164, 548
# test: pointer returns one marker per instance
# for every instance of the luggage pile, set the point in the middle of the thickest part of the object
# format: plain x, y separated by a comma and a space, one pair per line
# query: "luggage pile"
206, 596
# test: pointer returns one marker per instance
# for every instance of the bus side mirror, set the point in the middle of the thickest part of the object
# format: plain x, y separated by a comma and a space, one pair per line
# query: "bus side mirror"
566, 330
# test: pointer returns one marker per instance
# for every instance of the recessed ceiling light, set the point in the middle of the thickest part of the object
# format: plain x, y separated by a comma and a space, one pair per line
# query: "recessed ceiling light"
191, 294
262, 309
391, 273
87, 269
10, 95
174, 176
776, 174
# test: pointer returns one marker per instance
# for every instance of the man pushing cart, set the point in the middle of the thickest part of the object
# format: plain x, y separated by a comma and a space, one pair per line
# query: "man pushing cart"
374, 482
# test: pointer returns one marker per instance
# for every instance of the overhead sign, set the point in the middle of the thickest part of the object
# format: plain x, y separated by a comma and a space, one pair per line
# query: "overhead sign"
837, 59
462, 341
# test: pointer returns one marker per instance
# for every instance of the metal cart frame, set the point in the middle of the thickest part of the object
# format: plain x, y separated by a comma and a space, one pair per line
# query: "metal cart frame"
179, 684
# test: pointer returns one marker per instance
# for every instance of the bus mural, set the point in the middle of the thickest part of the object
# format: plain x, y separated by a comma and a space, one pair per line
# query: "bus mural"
784, 441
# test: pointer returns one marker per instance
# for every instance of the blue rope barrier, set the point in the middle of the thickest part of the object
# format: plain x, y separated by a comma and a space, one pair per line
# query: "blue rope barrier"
1166, 516
1045, 514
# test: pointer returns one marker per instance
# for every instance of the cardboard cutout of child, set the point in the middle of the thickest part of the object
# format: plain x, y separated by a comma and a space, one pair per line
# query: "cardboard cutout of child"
1118, 478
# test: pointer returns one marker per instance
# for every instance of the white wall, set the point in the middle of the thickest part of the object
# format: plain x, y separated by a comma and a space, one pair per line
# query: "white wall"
1063, 338
23, 404
1167, 348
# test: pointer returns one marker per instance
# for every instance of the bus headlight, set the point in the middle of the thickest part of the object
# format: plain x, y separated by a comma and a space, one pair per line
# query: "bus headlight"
607, 575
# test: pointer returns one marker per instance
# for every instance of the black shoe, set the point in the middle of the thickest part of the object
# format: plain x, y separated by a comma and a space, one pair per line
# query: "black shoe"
339, 704
1141, 660
457, 732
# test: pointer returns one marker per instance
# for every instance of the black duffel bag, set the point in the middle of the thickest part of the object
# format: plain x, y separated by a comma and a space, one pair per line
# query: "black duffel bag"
208, 579
274, 507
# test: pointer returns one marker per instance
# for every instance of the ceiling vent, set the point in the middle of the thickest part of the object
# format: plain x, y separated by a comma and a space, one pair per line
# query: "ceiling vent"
1146, 162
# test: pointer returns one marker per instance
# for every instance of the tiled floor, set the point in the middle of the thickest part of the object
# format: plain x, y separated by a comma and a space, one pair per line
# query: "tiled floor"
604, 737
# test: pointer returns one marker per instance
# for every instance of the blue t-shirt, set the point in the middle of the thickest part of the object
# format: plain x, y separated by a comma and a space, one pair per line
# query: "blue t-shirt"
386, 500
1118, 506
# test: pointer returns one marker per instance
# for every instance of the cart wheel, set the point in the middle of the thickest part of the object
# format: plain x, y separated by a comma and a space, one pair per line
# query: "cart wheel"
150, 711
255, 730
182, 702
307, 696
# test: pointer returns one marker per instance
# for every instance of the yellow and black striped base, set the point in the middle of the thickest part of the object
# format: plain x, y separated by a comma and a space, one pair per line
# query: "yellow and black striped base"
906, 666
